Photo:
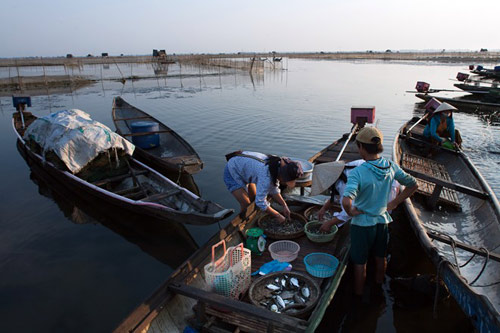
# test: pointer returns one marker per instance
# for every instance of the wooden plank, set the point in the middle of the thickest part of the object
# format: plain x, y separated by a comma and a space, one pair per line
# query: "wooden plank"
213, 299
146, 133
159, 196
448, 240
117, 178
424, 165
133, 118
244, 323
454, 186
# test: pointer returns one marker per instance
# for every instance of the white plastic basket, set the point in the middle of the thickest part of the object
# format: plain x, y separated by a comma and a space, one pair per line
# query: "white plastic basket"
230, 274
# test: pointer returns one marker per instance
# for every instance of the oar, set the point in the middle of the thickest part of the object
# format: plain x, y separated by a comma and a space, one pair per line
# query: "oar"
354, 128
418, 122
430, 91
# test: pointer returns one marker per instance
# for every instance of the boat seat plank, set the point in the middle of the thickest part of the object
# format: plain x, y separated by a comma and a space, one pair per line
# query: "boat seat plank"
118, 178
244, 323
128, 190
423, 165
146, 133
286, 322
159, 196
450, 185
132, 118
473, 249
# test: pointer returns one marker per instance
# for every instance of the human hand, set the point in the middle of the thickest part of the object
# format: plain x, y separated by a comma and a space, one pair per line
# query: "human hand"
280, 218
321, 213
326, 227
355, 211
286, 212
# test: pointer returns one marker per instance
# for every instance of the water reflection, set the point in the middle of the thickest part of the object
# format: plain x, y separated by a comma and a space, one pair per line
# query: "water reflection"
168, 242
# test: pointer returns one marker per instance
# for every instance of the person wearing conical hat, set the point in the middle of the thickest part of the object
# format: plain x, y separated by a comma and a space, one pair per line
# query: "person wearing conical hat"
441, 127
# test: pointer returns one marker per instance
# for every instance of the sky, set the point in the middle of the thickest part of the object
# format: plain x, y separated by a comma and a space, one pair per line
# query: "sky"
136, 27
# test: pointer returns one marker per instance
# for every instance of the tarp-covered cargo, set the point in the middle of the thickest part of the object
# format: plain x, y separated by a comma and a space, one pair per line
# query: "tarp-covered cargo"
75, 138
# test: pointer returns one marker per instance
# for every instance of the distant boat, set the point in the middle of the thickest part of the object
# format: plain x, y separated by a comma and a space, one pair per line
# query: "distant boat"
477, 89
456, 217
488, 73
469, 101
138, 188
173, 154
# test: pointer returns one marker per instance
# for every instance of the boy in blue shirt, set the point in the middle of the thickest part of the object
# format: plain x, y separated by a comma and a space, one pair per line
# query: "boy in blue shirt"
365, 198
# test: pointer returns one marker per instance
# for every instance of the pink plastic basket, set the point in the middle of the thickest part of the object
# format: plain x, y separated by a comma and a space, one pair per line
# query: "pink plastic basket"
284, 251
230, 274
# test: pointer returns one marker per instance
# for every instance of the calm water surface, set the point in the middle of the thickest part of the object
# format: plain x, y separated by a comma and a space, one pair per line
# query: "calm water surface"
83, 269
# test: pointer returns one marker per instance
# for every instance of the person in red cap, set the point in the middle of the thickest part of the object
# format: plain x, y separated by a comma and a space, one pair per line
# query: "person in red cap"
366, 199
253, 176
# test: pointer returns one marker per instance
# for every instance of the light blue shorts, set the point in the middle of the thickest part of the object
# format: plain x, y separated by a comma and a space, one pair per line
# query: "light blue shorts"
231, 184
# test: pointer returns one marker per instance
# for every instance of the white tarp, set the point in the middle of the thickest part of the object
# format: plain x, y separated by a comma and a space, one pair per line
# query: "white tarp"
75, 138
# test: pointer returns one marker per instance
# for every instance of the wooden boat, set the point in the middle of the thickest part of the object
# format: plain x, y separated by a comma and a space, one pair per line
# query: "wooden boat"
476, 89
140, 189
173, 154
487, 73
169, 243
469, 101
170, 308
456, 217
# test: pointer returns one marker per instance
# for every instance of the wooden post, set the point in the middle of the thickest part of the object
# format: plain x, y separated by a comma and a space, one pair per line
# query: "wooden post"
432, 201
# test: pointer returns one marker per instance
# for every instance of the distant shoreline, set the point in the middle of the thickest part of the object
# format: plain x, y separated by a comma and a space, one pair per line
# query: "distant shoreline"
445, 57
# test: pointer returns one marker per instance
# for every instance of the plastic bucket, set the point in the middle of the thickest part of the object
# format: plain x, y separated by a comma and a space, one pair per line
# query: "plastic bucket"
145, 141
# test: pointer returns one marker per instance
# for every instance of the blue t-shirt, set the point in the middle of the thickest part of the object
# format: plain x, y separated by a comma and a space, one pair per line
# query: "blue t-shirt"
432, 126
369, 186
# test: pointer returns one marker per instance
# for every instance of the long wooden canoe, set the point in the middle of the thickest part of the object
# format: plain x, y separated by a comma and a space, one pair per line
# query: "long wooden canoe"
456, 217
170, 243
170, 308
469, 101
173, 154
478, 90
140, 189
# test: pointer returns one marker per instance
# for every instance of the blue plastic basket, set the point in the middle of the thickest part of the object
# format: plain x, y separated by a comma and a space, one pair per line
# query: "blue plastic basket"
321, 265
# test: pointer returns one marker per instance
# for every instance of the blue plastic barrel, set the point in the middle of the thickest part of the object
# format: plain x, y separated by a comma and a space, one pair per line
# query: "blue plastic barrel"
145, 141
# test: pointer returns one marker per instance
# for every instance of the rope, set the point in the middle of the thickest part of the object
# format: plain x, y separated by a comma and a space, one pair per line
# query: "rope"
468, 261
436, 294
487, 285
453, 246
178, 181
484, 265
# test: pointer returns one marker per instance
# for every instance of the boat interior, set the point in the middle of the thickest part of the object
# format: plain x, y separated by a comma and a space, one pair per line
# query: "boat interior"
171, 145
454, 201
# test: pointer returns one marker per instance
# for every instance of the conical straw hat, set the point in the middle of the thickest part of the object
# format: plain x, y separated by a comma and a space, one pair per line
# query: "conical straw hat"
324, 175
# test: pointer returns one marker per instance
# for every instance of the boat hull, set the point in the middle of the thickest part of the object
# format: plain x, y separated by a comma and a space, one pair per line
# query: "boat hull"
173, 155
477, 224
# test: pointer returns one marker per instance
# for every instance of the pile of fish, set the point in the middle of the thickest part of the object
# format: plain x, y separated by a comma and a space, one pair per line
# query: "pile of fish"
315, 229
286, 295
314, 216
289, 227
